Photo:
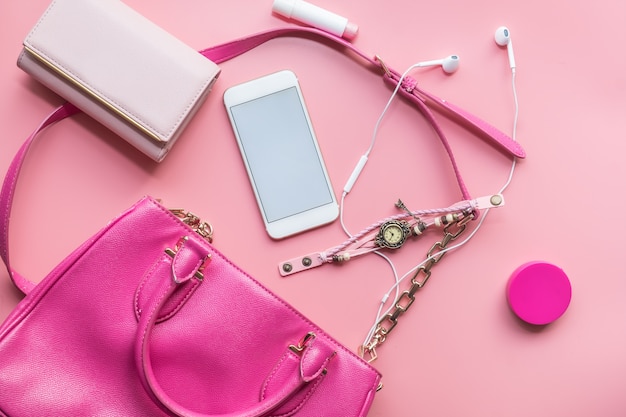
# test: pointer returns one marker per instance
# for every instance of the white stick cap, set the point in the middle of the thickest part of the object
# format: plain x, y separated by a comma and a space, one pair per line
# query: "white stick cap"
283, 7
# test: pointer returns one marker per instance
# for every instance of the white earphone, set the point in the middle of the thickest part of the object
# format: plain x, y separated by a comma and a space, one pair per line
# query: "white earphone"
449, 64
503, 38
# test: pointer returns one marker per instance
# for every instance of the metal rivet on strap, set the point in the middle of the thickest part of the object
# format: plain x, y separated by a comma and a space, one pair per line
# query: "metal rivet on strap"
496, 200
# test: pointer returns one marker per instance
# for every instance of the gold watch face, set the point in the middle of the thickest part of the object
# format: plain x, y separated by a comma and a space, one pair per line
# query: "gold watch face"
392, 234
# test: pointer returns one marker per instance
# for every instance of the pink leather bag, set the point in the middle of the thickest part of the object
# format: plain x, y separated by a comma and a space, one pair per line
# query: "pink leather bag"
160, 323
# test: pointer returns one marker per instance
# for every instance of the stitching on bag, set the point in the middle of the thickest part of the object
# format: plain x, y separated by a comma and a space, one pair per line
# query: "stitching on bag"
7, 209
44, 17
144, 350
310, 388
368, 400
308, 395
190, 288
176, 262
489, 129
190, 291
58, 273
144, 123
272, 374
143, 283
306, 361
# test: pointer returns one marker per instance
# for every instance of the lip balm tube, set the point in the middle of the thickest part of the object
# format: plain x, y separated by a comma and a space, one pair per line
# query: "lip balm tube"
317, 17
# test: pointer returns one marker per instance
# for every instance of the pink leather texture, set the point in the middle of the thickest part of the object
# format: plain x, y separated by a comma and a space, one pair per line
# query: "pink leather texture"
89, 340
149, 78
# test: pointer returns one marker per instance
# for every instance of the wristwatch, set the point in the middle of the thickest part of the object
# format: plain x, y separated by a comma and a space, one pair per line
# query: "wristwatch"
393, 234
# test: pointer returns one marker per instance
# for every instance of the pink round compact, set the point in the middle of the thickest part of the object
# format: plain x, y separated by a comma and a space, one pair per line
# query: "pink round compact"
539, 292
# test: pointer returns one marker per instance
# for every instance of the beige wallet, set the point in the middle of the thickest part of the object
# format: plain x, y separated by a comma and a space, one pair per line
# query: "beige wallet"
121, 69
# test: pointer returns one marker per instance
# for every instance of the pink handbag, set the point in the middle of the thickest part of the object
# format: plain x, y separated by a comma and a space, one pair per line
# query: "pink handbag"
160, 323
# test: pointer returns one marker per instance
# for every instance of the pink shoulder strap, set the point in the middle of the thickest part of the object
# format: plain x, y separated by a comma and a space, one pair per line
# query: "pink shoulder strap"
221, 53
8, 190
415, 94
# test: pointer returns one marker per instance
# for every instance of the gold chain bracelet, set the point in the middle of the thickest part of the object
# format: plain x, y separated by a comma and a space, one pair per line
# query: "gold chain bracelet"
404, 301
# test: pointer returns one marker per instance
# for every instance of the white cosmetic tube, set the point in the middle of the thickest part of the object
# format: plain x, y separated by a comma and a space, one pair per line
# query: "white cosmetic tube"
317, 17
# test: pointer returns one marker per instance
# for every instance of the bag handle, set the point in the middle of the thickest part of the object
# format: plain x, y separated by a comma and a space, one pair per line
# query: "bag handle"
226, 51
8, 191
300, 365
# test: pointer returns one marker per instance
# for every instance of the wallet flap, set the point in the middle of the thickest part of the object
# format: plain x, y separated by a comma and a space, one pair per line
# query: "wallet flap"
124, 61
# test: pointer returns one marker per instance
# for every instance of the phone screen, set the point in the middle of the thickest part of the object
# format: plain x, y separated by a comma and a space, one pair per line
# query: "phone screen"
281, 154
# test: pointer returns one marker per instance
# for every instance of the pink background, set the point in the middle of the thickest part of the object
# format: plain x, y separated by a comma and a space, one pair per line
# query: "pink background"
459, 350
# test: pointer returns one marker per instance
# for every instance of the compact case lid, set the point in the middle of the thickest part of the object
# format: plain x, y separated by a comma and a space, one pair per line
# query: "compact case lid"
124, 61
539, 292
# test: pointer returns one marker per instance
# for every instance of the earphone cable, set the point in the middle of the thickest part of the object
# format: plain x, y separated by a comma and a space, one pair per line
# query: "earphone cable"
398, 280
345, 193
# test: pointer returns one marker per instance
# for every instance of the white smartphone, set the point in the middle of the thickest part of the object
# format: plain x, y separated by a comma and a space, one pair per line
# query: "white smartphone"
281, 154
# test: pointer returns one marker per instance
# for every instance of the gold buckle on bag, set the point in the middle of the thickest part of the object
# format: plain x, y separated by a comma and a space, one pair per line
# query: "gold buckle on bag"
199, 274
302, 344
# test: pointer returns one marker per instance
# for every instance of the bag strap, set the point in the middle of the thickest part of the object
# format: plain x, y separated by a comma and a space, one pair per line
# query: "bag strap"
226, 51
410, 90
8, 191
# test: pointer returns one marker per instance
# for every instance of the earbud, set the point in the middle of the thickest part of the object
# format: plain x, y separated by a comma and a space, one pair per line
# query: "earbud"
503, 38
449, 64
